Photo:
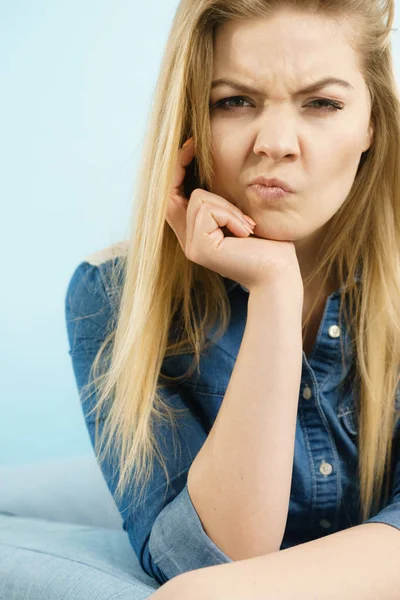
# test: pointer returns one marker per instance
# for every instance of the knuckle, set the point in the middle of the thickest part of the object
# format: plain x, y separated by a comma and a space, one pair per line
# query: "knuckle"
198, 194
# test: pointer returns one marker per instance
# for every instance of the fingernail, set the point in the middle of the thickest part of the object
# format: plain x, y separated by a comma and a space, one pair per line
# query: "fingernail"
247, 228
253, 223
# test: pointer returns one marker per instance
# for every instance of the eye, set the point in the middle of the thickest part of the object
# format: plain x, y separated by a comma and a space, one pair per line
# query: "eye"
323, 104
222, 104
328, 105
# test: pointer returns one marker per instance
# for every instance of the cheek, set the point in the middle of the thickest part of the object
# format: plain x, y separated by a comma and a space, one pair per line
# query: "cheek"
332, 189
345, 145
337, 161
226, 159
228, 140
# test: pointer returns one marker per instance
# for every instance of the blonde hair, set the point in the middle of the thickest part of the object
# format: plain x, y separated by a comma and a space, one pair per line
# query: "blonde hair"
158, 278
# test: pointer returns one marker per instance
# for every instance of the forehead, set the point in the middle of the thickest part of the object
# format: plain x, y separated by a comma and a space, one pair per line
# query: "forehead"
292, 45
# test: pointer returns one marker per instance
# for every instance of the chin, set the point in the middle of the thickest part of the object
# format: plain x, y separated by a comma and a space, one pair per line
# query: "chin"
274, 233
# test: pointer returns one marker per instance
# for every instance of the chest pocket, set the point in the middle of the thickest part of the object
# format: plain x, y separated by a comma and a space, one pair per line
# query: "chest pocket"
349, 419
347, 410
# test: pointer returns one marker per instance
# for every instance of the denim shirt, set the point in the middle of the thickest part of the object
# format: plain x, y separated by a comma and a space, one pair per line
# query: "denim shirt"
165, 530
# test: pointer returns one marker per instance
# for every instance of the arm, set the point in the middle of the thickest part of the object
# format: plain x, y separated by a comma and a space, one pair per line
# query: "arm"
360, 563
240, 480
164, 529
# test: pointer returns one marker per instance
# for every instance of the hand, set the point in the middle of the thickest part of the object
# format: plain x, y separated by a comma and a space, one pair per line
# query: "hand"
254, 262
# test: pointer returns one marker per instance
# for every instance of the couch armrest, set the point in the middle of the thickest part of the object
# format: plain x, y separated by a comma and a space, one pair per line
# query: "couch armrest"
69, 490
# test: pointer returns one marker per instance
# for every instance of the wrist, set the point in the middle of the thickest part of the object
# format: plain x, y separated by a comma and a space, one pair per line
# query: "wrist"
287, 286
283, 295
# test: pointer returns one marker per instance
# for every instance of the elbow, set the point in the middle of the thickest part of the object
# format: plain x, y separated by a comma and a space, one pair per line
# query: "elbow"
240, 544
231, 532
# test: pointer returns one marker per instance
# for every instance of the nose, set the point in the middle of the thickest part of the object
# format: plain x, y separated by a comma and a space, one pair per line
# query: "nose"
276, 135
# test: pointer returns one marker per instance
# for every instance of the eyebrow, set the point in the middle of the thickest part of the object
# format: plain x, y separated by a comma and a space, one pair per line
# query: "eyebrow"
317, 85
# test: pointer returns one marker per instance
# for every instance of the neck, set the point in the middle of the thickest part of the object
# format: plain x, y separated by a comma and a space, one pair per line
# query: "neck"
310, 294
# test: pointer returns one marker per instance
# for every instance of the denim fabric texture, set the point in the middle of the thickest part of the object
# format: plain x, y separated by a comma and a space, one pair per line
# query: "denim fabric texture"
47, 560
165, 530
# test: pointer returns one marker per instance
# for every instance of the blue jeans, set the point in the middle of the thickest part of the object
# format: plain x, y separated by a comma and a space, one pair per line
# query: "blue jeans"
47, 560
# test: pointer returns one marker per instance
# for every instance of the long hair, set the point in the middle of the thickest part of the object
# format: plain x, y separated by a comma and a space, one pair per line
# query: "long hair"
158, 279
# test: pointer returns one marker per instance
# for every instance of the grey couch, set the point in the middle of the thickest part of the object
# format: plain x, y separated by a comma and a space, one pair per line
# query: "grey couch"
61, 536
70, 490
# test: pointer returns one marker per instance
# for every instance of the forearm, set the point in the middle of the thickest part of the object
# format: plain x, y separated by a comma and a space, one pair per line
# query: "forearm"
240, 480
360, 563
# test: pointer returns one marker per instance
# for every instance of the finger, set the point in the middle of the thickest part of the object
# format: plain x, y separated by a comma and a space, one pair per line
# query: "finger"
208, 228
177, 207
228, 205
185, 157
177, 218
200, 197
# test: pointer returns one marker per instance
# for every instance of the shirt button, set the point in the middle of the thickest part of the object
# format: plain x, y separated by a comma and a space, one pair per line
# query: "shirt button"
307, 392
325, 468
325, 523
334, 331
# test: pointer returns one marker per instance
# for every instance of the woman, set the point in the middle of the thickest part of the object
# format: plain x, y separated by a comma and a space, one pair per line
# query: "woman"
288, 457
266, 458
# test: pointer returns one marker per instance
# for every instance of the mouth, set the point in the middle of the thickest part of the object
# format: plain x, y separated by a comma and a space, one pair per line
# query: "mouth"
270, 193
271, 183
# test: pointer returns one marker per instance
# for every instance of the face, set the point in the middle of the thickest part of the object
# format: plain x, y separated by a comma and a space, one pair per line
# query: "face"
311, 140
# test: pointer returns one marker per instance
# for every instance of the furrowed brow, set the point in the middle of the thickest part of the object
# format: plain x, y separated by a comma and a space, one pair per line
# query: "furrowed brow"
314, 87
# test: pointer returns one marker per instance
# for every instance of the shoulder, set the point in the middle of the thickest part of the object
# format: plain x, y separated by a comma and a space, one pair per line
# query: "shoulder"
94, 288
97, 281
106, 255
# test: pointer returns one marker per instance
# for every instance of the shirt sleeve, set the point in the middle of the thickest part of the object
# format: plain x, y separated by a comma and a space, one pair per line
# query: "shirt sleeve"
390, 514
164, 529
